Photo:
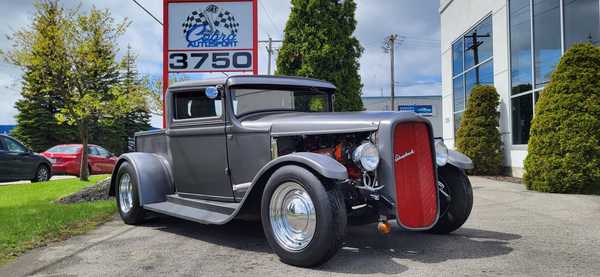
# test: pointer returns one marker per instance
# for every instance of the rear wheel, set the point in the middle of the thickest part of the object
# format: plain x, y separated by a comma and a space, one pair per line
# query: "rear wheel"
304, 222
127, 196
42, 174
456, 199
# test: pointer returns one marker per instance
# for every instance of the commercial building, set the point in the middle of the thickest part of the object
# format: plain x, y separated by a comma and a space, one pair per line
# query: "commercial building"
428, 106
513, 45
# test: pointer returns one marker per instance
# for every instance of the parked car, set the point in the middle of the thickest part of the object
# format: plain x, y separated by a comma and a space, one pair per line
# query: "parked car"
17, 162
66, 159
271, 148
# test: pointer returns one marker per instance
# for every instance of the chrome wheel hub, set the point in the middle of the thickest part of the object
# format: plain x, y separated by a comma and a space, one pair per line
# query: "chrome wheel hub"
125, 193
292, 216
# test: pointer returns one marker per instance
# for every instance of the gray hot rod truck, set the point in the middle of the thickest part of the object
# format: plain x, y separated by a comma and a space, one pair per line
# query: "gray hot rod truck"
271, 148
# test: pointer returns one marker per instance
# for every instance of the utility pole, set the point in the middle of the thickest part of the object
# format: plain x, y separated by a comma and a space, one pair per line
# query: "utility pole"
270, 52
388, 47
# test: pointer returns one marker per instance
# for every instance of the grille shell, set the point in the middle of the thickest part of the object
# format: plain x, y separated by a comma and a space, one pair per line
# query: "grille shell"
414, 176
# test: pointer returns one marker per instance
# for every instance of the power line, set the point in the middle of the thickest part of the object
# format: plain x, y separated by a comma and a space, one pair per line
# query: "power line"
147, 11
275, 28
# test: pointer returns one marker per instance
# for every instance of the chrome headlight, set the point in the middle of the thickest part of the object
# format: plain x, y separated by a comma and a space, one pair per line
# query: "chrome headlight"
366, 156
441, 152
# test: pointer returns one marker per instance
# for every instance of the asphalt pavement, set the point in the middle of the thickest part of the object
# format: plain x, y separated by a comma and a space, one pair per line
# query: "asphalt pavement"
511, 232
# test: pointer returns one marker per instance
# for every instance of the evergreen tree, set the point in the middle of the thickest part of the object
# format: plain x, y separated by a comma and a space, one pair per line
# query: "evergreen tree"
137, 119
564, 142
41, 51
318, 43
478, 136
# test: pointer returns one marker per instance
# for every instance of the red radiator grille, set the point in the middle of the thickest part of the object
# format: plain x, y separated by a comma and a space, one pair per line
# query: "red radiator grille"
416, 191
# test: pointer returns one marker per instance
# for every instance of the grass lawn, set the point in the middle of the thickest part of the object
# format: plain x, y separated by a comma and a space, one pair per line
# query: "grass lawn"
29, 217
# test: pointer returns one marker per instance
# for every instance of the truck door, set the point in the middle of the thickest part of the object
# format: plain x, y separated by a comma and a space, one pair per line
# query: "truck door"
198, 146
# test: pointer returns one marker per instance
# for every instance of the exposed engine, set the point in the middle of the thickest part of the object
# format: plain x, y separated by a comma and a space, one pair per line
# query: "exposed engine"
338, 146
362, 197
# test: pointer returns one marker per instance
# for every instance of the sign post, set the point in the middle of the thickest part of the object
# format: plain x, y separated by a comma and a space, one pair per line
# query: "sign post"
206, 36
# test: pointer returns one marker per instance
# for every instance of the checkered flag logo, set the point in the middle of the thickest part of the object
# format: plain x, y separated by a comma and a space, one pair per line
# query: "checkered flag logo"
214, 18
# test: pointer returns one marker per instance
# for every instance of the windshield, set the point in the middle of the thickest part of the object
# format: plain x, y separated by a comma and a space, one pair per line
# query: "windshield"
66, 149
251, 100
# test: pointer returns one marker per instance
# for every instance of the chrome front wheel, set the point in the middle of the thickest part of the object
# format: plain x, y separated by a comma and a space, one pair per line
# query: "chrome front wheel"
304, 218
292, 216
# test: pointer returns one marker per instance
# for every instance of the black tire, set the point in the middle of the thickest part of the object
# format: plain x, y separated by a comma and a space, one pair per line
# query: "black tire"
330, 216
136, 214
40, 176
456, 212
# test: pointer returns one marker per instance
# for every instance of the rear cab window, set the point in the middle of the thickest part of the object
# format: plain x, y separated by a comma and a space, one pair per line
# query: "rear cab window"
195, 104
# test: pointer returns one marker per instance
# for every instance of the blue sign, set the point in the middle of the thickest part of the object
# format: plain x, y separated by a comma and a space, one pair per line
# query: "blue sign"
5, 129
423, 110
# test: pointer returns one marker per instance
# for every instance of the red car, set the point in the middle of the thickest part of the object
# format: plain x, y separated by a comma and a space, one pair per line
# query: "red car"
66, 158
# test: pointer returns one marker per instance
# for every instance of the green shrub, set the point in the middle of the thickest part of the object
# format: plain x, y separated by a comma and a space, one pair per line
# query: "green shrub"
564, 141
478, 136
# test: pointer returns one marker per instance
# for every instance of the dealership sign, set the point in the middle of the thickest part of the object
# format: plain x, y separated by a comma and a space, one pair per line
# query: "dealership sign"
424, 110
210, 36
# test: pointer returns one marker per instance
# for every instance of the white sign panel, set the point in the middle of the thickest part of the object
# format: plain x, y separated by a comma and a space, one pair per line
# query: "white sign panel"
211, 36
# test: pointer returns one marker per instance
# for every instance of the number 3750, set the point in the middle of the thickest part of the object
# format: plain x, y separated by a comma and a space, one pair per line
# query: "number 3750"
210, 60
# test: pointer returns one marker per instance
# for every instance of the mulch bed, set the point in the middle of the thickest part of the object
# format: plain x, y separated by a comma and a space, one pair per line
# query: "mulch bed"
505, 179
98, 191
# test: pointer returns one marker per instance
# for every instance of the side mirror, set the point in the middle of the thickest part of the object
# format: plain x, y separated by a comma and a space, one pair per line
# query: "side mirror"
211, 92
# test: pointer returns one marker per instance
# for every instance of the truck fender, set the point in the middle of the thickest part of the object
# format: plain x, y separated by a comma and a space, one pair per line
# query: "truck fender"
459, 160
322, 164
154, 178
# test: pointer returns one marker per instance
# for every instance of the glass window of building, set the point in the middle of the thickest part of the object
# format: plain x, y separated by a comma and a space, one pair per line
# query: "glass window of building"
522, 112
520, 46
478, 43
457, 58
458, 87
582, 21
472, 64
546, 39
535, 53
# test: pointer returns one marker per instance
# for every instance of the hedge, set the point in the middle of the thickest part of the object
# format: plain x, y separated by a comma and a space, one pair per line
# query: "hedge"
478, 135
564, 143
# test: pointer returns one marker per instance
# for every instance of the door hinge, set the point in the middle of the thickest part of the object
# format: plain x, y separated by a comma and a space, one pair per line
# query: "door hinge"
227, 171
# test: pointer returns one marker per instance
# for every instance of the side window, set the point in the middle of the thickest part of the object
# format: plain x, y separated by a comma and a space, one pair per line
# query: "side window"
2, 148
103, 152
93, 151
14, 146
195, 104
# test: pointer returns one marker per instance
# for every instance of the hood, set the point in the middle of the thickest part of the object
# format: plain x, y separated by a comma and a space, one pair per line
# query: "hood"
291, 123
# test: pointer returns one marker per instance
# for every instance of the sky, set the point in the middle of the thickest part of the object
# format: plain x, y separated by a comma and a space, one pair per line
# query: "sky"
417, 61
